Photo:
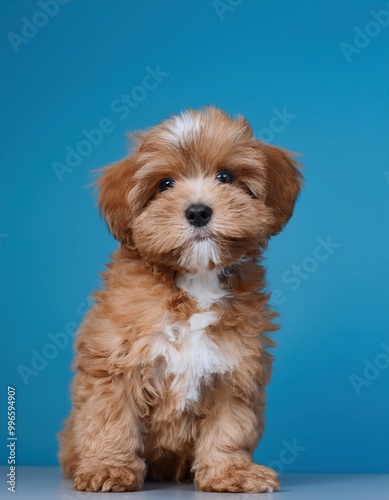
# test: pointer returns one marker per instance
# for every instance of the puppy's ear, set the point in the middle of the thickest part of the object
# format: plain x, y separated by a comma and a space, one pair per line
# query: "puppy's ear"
283, 184
114, 185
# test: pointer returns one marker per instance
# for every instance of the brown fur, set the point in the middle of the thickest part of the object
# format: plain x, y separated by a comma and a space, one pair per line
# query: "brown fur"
126, 418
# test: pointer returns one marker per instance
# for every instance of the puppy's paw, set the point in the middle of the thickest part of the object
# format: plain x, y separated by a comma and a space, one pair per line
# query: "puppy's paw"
108, 478
238, 478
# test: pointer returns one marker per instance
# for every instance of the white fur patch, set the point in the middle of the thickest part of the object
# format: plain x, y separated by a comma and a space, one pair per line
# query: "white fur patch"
199, 254
190, 355
203, 286
182, 126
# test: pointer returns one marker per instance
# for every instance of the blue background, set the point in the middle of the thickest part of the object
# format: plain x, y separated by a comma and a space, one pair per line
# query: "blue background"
261, 56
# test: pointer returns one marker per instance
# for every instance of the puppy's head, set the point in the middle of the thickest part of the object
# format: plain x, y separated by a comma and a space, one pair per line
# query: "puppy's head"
199, 191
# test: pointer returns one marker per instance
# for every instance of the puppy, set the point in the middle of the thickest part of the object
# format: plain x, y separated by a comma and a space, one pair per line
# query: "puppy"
171, 361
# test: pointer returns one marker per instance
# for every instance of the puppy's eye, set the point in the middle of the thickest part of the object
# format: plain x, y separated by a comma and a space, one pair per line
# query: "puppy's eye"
165, 184
225, 177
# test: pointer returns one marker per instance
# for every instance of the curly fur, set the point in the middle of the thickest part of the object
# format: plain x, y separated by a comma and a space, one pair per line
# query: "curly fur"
171, 361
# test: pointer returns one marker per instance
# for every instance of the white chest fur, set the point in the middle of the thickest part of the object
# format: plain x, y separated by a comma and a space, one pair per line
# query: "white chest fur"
191, 355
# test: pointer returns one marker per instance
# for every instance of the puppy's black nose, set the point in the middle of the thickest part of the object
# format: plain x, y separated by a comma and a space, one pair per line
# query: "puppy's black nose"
198, 215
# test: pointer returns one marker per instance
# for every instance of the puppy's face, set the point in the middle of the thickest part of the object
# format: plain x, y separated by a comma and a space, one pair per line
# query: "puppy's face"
199, 191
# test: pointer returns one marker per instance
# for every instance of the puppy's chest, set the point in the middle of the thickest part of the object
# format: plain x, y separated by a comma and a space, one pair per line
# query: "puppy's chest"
187, 354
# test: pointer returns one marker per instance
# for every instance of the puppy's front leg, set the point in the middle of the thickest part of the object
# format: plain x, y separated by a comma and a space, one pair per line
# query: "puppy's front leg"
223, 459
107, 436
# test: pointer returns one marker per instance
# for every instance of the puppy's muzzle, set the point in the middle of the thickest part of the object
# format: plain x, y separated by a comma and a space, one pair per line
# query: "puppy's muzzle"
198, 215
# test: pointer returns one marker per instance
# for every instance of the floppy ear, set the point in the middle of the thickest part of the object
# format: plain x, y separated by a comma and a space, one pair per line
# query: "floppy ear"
114, 185
283, 184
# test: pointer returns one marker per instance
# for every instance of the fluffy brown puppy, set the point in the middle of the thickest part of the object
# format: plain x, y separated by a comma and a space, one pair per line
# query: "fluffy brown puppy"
171, 361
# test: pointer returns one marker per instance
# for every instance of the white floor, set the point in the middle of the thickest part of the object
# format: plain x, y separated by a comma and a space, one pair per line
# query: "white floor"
46, 483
